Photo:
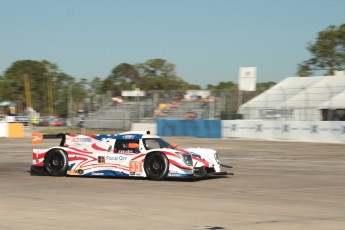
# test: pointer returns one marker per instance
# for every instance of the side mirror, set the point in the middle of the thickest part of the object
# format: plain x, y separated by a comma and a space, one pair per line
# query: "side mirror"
174, 145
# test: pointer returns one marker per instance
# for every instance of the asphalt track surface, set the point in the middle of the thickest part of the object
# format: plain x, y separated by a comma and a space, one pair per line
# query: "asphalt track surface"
277, 185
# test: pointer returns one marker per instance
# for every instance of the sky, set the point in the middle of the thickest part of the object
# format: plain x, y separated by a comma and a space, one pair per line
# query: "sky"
207, 40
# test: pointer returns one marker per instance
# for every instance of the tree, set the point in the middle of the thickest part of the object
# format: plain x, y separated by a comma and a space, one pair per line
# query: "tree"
158, 74
62, 92
96, 92
124, 74
123, 77
43, 76
222, 85
108, 85
80, 94
157, 67
96, 86
2, 87
304, 70
328, 52
14, 89
154, 74
263, 86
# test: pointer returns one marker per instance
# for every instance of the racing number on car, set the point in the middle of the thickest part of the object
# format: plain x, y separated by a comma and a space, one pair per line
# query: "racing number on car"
135, 166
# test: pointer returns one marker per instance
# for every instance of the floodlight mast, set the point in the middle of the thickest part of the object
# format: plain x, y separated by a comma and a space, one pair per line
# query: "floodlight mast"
27, 91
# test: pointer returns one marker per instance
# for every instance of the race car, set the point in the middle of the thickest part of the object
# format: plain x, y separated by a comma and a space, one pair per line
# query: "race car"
130, 154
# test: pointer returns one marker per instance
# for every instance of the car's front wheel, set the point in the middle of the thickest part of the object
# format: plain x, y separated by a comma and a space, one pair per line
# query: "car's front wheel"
156, 166
56, 162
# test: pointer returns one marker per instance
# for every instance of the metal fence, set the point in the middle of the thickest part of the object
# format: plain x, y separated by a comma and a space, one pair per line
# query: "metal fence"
277, 103
176, 104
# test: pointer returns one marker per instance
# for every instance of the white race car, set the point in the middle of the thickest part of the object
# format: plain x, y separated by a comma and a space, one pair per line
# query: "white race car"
132, 154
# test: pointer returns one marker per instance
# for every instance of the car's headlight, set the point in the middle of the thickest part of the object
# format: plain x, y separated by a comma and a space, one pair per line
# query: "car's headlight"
187, 158
216, 157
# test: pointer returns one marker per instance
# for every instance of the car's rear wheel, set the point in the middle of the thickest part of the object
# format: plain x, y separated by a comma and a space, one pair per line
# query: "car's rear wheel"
156, 166
56, 162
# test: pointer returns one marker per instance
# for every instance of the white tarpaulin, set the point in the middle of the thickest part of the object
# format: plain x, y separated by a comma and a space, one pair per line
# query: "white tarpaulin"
247, 79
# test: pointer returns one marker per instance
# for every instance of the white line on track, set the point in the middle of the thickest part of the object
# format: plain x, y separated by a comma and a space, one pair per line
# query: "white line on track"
270, 159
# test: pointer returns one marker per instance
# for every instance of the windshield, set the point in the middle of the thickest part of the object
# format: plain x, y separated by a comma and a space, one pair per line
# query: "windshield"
156, 143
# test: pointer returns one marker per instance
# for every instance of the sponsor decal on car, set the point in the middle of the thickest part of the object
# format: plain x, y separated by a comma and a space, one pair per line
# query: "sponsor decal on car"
79, 139
177, 175
101, 159
128, 136
71, 172
115, 158
126, 151
36, 138
97, 174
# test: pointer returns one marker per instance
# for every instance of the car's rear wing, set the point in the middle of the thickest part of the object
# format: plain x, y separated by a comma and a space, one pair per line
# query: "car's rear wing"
38, 137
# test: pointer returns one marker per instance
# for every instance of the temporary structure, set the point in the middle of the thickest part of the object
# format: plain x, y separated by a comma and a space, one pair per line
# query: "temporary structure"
269, 104
336, 102
305, 105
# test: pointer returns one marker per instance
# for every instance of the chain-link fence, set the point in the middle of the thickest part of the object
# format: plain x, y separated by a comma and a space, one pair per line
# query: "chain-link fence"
301, 103
175, 104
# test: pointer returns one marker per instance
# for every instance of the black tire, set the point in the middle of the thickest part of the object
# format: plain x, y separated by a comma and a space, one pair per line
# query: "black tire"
56, 162
156, 166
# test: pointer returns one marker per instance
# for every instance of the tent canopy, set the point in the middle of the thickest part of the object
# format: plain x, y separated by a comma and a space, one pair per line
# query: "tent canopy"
336, 102
281, 92
318, 93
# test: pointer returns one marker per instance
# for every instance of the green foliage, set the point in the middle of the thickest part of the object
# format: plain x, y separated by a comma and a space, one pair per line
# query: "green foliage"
263, 86
80, 94
95, 93
96, 86
124, 73
328, 52
222, 85
304, 70
15, 87
69, 93
62, 87
156, 67
2, 87
154, 74
163, 83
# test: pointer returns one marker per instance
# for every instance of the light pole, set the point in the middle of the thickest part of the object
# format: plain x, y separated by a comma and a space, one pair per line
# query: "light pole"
50, 91
27, 91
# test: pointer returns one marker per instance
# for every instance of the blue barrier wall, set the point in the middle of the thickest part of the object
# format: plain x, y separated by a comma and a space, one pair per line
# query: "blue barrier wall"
194, 128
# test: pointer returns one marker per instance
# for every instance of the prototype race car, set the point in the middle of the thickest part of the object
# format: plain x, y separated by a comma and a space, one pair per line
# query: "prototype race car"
133, 154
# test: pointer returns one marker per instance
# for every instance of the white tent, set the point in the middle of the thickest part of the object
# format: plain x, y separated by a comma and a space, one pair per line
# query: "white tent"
336, 102
334, 109
305, 104
268, 105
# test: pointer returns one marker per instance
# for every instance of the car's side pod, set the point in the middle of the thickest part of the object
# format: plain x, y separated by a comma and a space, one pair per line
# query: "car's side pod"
38, 137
